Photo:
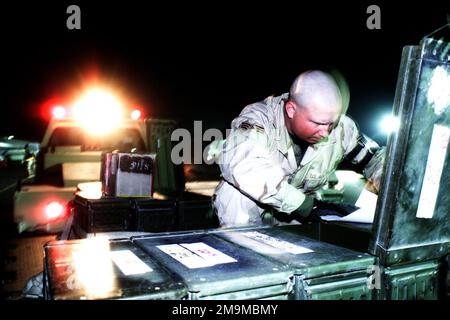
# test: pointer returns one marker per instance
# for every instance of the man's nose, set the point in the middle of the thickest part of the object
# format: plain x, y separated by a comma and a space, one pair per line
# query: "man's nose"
324, 131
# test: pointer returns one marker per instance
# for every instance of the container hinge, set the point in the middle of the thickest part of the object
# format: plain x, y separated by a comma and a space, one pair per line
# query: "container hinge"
301, 288
290, 285
193, 295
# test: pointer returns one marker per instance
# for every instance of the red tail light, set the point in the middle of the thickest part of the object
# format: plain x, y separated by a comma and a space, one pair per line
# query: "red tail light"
54, 210
136, 114
59, 112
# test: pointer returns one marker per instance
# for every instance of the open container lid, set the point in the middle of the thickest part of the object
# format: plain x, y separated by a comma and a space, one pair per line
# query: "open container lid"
413, 210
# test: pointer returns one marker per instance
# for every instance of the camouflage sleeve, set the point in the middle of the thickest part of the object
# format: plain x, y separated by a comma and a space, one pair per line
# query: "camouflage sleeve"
248, 164
365, 154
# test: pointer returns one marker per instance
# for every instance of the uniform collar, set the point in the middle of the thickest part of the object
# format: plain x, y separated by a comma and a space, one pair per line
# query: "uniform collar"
281, 136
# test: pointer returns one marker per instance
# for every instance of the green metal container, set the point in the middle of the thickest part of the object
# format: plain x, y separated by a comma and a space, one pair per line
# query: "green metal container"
412, 281
412, 219
410, 235
321, 270
213, 268
97, 269
169, 178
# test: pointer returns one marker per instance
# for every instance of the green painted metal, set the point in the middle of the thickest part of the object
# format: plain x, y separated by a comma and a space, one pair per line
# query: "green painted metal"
418, 281
325, 272
84, 270
349, 286
401, 235
169, 178
249, 276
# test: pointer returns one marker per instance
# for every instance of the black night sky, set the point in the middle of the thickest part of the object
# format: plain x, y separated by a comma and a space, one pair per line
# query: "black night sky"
203, 60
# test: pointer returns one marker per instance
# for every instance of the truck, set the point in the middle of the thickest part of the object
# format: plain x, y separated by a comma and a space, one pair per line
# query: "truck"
70, 154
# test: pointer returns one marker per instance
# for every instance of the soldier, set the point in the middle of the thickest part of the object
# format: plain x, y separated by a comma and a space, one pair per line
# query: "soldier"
283, 149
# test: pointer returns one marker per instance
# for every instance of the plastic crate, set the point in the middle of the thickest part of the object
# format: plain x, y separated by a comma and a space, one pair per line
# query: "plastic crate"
152, 215
196, 214
101, 215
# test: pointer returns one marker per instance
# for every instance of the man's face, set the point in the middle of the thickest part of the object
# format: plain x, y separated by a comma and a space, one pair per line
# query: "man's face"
312, 123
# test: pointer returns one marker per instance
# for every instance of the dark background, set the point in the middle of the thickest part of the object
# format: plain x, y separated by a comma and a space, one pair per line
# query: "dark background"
202, 61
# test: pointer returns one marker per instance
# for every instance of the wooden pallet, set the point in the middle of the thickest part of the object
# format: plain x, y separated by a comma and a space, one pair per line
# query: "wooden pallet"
23, 259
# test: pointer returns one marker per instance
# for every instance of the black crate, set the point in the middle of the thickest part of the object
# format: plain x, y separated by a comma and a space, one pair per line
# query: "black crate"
109, 214
153, 215
101, 215
196, 214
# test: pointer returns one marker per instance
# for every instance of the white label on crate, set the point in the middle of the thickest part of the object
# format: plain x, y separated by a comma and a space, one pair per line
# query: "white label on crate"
129, 263
183, 255
276, 243
208, 253
433, 171
195, 255
438, 94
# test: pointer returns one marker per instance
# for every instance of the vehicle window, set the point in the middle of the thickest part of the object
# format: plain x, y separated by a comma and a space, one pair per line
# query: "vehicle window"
70, 136
125, 140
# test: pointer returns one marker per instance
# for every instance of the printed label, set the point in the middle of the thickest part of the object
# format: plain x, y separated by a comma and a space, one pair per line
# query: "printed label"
195, 255
433, 171
276, 243
129, 263
208, 253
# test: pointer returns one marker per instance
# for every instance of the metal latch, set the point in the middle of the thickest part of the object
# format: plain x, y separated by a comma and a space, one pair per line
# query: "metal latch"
301, 288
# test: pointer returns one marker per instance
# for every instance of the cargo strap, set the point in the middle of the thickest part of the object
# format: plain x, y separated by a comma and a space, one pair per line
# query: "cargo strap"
364, 148
68, 227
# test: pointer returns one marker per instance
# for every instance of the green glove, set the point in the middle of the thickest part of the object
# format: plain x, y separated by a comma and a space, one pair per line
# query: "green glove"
305, 208
312, 209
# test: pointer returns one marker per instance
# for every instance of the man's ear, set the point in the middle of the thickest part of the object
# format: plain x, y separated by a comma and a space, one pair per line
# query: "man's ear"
290, 109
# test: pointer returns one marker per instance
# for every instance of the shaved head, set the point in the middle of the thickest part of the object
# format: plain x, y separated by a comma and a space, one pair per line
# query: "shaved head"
316, 89
314, 106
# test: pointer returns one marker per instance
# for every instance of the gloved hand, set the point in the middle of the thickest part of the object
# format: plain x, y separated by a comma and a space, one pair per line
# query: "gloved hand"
322, 208
312, 209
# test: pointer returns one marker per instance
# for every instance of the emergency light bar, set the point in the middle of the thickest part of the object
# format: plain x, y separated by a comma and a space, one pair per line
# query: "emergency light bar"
98, 111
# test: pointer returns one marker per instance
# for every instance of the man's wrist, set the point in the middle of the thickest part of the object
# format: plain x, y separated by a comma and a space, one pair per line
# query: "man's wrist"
306, 207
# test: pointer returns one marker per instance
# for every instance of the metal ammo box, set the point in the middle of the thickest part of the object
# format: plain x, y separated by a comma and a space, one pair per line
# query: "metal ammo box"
411, 229
321, 270
101, 269
213, 268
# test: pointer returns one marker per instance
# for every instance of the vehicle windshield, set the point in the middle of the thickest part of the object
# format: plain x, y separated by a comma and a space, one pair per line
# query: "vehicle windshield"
126, 140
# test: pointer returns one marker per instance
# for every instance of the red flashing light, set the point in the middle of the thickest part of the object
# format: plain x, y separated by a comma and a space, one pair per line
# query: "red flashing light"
59, 112
54, 210
136, 114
